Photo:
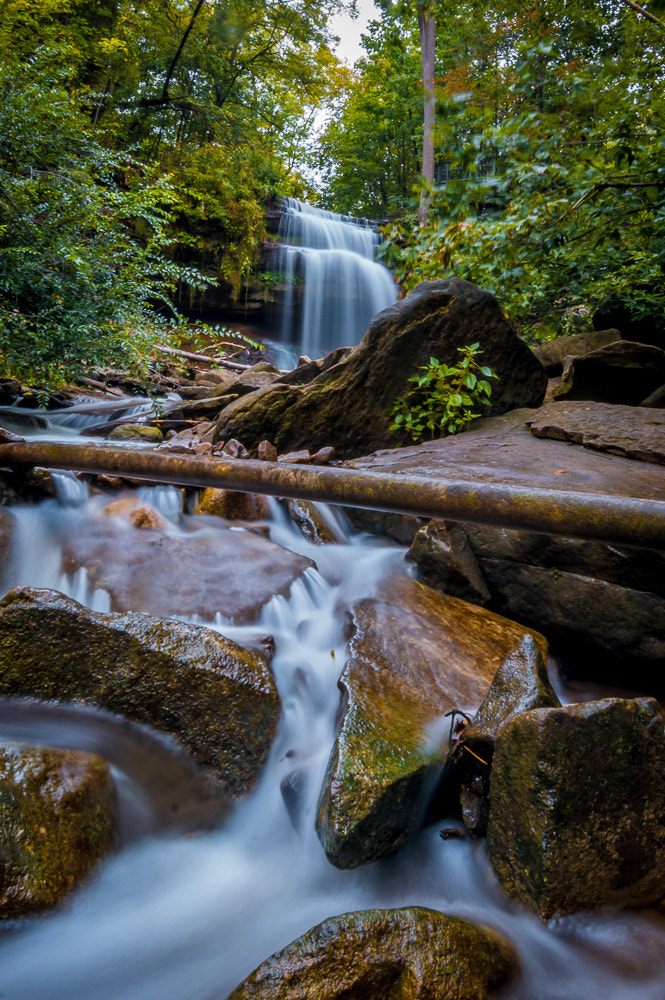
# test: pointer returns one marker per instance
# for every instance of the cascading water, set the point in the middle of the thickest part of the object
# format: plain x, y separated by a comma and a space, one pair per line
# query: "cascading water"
181, 918
333, 256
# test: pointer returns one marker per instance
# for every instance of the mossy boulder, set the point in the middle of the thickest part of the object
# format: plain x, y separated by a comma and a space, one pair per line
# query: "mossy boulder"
57, 820
414, 655
577, 806
408, 954
218, 699
348, 404
137, 432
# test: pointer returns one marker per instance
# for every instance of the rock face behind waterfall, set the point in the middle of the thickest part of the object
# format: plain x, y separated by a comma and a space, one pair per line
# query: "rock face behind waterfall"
348, 404
408, 954
217, 699
413, 656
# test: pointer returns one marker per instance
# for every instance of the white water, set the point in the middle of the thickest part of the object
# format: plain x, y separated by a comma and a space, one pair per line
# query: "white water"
188, 919
344, 287
78, 420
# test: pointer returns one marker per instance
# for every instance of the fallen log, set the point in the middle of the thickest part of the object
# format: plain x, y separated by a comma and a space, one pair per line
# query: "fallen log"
626, 520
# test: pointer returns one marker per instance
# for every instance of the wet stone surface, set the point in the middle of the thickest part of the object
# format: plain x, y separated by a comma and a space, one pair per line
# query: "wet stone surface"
405, 954
414, 655
218, 699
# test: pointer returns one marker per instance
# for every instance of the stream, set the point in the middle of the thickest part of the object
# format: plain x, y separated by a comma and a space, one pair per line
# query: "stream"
187, 907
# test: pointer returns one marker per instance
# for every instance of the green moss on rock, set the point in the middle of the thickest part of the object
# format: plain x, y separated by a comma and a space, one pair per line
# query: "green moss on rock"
577, 806
218, 699
57, 820
407, 954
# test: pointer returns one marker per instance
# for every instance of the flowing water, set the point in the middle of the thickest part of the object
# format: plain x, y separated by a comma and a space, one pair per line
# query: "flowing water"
333, 256
174, 916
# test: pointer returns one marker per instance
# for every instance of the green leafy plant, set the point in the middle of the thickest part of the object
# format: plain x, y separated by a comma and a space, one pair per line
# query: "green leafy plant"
446, 398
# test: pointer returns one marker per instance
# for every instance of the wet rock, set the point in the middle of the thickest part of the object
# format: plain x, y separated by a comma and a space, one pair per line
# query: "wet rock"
40, 481
265, 367
7, 525
267, 452
631, 431
136, 432
553, 353
309, 518
199, 391
622, 372
295, 458
446, 562
304, 359
401, 528
347, 405
140, 515
218, 699
203, 571
323, 456
202, 409
57, 820
8, 437
303, 374
612, 630
414, 655
520, 684
413, 953
233, 506
655, 399
235, 449
577, 817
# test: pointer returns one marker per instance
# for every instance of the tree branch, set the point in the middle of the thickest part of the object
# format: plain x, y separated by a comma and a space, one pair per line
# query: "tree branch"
645, 13
183, 41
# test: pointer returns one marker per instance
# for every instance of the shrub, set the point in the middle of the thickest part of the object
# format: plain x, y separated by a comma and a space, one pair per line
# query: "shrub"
446, 398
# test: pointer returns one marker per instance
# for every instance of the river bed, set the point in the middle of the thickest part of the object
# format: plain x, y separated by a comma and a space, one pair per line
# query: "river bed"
186, 909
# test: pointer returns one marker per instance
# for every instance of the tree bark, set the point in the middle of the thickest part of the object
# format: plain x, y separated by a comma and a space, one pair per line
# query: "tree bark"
575, 515
426, 27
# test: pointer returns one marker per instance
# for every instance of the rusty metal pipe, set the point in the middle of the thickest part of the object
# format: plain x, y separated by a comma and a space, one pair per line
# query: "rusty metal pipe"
578, 515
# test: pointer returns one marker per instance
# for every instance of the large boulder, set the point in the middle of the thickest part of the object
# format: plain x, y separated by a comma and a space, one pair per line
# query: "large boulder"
622, 372
413, 953
218, 699
577, 806
553, 353
631, 431
446, 562
348, 404
414, 655
202, 572
57, 819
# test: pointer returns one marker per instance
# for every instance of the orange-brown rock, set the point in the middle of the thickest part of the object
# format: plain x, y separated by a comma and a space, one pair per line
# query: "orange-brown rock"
414, 655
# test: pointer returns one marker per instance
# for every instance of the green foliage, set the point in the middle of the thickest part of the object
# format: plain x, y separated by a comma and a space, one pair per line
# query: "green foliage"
369, 154
78, 287
568, 104
446, 398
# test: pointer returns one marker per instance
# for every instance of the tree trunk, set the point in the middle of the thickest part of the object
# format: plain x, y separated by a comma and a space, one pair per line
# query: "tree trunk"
577, 515
426, 27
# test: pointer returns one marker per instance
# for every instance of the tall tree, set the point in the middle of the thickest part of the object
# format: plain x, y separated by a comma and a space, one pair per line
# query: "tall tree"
427, 31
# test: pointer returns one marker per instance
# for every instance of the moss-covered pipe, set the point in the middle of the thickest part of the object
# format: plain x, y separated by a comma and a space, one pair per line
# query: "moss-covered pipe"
577, 515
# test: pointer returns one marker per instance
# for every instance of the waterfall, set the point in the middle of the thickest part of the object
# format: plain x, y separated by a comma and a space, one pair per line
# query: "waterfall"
343, 286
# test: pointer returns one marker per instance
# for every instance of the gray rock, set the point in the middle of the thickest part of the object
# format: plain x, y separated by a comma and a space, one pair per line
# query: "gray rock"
577, 814
553, 353
218, 699
632, 431
622, 372
446, 562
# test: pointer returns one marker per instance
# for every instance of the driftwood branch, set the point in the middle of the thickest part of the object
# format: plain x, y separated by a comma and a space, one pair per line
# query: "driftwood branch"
578, 515
203, 358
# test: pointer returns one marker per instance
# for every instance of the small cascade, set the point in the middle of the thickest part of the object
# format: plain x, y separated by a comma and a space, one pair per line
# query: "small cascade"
333, 257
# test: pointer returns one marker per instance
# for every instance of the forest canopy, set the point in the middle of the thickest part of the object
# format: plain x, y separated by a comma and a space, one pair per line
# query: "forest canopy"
141, 143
